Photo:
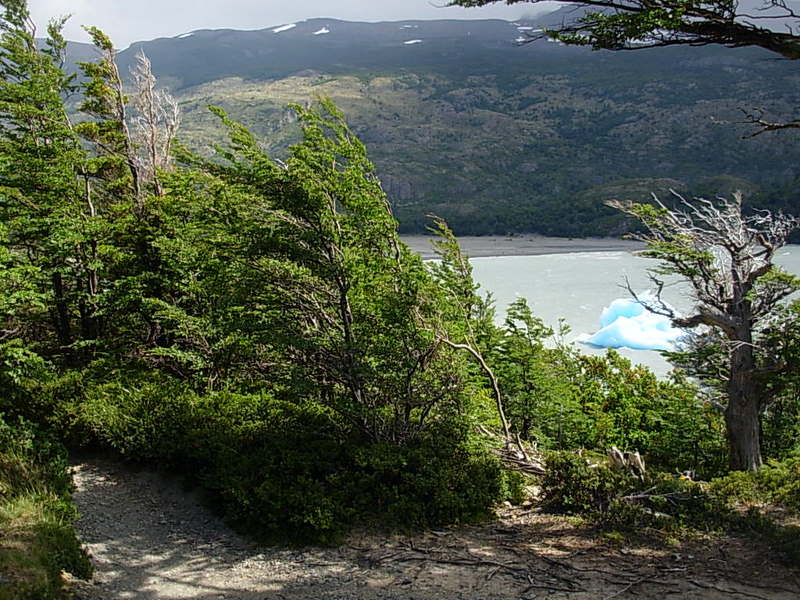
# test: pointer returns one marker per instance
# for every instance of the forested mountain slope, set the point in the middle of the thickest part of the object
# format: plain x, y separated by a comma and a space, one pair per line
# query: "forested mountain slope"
499, 137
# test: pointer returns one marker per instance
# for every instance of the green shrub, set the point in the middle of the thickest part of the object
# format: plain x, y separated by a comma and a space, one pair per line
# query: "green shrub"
619, 499
286, 474
777, 482
284, 470
573, 485
22, 375
443, 477
566, 401
141, 419
36, 515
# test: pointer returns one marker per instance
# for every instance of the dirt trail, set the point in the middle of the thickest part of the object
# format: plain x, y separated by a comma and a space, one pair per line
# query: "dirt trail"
151, 539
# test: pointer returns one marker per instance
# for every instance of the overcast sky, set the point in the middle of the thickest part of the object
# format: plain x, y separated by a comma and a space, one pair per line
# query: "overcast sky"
126, 21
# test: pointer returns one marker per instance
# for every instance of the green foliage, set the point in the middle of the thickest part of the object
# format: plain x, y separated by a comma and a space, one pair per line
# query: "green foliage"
564, 400
618, 499
142, 418
282, 471
573, 485
36, 515
776, 483
314, 269
256, 321
258, 324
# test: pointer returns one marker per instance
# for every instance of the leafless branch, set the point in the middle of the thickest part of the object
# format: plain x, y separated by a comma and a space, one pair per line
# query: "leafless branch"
155, 124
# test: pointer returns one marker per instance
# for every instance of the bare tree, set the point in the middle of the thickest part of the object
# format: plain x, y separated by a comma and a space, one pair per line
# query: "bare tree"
155, 124
140, 138
727, 258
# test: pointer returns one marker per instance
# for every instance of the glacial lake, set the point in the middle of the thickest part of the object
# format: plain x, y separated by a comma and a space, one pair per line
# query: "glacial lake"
578, 286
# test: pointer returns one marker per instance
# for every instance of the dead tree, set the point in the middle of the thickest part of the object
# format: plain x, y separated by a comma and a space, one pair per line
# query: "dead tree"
154, 126
726, 257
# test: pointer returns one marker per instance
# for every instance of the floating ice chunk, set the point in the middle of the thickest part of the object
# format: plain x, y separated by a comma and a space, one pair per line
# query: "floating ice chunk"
622, 307
410, 27
627, 323
284, 28
322, 31
409, 42
521, 39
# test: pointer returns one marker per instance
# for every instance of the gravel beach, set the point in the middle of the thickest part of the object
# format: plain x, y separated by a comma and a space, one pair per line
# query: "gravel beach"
522, 245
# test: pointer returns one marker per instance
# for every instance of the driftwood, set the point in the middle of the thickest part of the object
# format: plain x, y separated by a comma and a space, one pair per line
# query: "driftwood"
632, 461
515, 457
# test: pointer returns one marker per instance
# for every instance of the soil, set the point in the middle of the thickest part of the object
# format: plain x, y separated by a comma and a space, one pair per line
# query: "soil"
150, 538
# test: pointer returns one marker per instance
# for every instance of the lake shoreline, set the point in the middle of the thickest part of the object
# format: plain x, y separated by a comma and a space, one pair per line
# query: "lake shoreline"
522, 245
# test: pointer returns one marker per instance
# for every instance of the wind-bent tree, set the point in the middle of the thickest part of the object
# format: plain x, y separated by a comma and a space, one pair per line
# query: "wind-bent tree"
320, 285
726, 257
76, 200
633, 24
43, 204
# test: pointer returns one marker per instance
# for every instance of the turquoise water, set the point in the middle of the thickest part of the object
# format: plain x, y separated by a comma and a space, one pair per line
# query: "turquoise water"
576, 287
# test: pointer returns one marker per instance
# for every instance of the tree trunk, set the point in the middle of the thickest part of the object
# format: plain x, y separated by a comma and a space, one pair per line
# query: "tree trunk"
742, 414
61, 317
744, 437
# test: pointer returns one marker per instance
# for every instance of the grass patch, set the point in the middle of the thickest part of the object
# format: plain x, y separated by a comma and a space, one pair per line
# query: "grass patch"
38, 540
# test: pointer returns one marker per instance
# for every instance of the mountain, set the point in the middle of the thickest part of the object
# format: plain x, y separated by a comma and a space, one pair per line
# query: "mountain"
499, 136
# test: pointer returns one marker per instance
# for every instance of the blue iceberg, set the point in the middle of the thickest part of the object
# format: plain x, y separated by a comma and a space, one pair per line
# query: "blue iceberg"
627, 323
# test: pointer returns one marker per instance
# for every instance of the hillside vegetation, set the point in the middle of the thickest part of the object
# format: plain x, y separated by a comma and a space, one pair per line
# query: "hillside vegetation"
494, 136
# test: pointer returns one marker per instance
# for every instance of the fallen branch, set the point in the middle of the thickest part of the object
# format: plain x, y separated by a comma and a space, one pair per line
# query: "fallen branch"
515, 460
627, 587
514, 569
710, 586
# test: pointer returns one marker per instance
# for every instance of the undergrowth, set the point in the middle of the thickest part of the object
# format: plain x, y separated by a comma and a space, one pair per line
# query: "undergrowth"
38, 540
622, 501
287, 471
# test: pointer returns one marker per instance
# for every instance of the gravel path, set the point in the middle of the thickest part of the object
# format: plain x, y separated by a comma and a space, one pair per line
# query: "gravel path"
151, 539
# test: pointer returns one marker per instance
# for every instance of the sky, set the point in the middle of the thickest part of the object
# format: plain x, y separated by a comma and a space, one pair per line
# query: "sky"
126, 21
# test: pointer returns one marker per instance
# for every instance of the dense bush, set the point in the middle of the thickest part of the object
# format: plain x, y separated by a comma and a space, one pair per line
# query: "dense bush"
777, 482
144, 417
289, 471
564, 400
574, 485
620, 499
36, 515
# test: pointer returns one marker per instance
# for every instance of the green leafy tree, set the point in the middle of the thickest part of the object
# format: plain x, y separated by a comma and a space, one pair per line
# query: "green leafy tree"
130, 136
43, 196
319, 275
530, 373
